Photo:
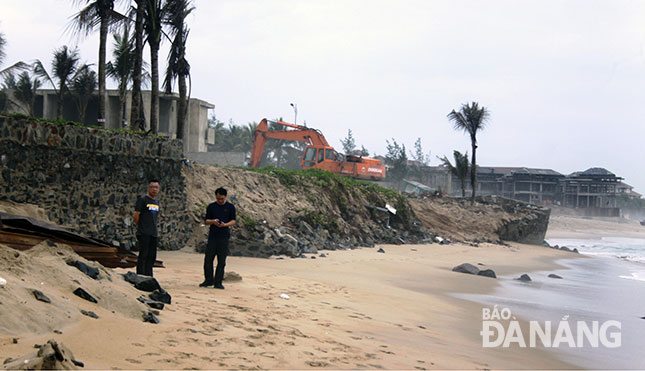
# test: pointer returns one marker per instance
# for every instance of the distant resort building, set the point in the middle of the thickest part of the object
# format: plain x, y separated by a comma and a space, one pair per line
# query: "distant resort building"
594, 190
195, 131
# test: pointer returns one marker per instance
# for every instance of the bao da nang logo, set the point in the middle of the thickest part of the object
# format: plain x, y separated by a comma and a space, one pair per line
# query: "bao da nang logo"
501, 329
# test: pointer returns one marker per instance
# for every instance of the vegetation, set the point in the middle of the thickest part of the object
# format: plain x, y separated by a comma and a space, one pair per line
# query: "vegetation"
397, 160
460, 169
65, 66
82, 87
471, 119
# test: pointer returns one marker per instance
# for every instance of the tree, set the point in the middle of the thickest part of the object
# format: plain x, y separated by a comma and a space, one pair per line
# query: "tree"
101, 14
178, 67
82, 88
64, 66
349, 144
397, 160
3, 42
121, 70
459, 170
24, 90
7, 73
136, 113
419, 155
471, 118
152, 23
364, 152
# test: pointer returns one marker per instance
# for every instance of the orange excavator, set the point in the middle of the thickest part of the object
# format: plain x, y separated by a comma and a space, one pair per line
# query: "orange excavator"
318, 154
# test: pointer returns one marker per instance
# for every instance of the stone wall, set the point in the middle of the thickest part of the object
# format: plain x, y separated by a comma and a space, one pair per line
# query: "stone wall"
88, 180
529, 225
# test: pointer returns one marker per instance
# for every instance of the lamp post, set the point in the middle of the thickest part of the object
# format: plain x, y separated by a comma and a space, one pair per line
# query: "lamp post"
295, 113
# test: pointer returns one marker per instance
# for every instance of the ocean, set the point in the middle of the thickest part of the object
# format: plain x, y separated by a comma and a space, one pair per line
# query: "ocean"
607, 288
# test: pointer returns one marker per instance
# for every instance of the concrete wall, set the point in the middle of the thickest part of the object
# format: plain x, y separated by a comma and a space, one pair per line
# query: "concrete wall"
89, 180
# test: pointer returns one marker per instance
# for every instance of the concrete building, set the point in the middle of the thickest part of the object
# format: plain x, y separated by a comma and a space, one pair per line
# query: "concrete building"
593, 189
195, 130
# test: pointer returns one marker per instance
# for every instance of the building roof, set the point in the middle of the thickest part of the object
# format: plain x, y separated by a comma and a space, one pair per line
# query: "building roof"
594, 171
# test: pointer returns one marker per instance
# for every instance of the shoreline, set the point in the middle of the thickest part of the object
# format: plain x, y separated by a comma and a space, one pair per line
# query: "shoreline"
351, 309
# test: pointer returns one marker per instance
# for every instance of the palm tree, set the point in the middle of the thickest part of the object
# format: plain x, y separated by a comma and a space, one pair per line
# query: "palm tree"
122, 68
64, 67
101, 14
3, 42
24, 90
471, 119
459, 170
152, 23
136, 113
178, 67
82, 88
16, 66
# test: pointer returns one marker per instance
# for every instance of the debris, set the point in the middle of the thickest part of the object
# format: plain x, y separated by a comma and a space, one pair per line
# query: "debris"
41, 297
50, 356
161, 295
143, 283
3, 282
285, 296
89, 314
149, 317
84, 295
89, 271
151, 303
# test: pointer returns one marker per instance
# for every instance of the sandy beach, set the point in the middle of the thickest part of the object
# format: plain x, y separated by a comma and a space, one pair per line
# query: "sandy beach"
351, 309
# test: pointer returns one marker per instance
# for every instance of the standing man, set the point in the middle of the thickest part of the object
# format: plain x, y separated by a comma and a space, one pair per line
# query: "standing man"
146, 216
220, 215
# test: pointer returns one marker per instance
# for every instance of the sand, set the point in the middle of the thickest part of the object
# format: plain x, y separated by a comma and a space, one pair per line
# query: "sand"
572, 227
352, 309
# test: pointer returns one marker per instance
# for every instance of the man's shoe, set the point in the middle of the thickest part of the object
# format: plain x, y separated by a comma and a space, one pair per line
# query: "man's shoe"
205, 284
218, 286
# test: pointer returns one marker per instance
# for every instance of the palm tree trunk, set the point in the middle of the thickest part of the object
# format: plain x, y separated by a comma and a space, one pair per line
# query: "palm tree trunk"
463, 187
473, 172
181, 107
154, 105
102, 51
59, 108
135, 116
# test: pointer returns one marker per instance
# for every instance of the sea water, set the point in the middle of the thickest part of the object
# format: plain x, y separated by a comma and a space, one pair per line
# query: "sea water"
608, 286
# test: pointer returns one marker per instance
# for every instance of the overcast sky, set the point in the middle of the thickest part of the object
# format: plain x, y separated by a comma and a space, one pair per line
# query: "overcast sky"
564, 80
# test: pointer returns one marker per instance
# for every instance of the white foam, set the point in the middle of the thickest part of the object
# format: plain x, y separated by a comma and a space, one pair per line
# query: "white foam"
637, 276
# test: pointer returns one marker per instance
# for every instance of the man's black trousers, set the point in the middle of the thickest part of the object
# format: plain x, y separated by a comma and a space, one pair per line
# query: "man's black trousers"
147, 254
219, 248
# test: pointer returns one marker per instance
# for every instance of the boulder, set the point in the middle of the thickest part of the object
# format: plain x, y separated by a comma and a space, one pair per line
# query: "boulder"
162, 295
143, 283
553, 275
381, 250
151, 303
466, 268
524, 278
487, 273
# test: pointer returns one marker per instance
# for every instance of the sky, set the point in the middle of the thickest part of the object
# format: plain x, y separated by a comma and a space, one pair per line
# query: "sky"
564, 80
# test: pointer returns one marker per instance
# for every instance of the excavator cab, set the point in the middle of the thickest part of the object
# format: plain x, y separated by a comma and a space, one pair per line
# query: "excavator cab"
318, 154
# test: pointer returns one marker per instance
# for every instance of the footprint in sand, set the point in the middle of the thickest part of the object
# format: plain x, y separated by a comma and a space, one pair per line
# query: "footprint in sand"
138, 345
130, 360
317, 363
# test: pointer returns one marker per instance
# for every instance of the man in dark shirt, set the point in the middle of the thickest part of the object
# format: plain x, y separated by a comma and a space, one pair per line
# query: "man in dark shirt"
220, 215
146, 216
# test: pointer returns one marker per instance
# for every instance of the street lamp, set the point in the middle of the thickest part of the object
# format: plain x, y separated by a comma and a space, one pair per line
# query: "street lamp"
295, 113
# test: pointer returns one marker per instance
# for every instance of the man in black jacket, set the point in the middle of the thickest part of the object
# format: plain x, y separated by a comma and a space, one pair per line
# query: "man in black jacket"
146, 217
220, 215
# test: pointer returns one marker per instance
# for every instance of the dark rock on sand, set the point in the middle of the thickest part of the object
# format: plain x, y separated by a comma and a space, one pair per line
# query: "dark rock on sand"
84, 295
89, 271
161, 295
524, 278
41, 297
89, 313
466, 268
487, 273
149, 317
381, 251
151, 303
143, 283
552, 275
50, 356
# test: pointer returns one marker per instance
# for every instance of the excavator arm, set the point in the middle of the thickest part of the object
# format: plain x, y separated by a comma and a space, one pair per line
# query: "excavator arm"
299, 134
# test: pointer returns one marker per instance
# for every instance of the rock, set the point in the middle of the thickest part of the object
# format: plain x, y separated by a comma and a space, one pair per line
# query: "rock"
149, 317
575, 250
89, 271
564, 248
151, 303
162, 295
84, 295
524, 278
14, 340
143, 283
49, 356
381, 250
323, 255
40, 296
487, 273
466, 268
89, 314
553, 275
